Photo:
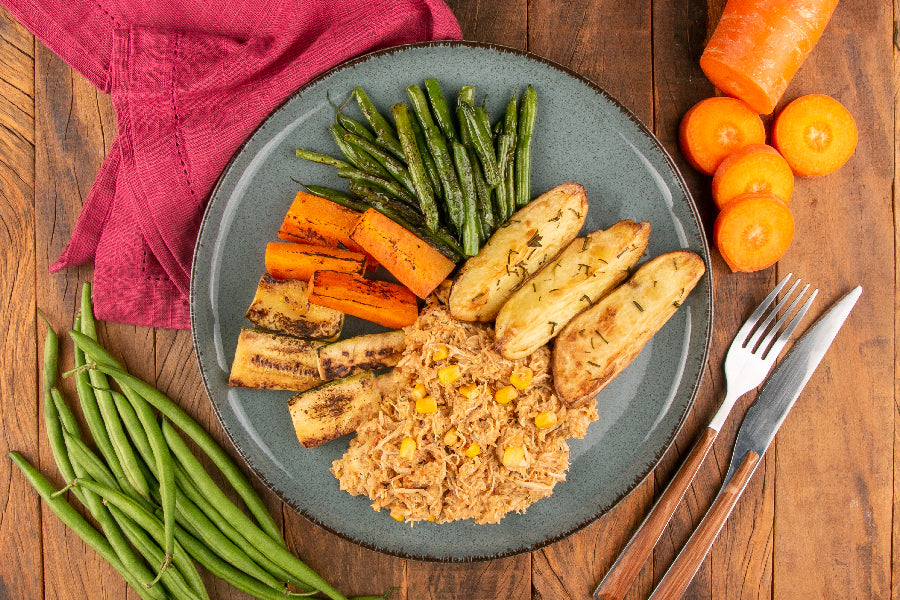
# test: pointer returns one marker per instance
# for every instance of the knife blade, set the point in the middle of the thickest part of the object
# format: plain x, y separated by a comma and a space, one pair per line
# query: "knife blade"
762, 421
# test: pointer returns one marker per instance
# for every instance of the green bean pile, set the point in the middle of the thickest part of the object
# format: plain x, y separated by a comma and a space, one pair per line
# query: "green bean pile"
158, 509
450, 180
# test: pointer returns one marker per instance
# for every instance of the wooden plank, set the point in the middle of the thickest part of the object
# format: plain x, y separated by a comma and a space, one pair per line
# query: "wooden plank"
20, 520
834, 460
895, 543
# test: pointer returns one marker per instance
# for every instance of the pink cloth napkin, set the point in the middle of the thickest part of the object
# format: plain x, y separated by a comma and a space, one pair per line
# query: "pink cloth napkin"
189, 82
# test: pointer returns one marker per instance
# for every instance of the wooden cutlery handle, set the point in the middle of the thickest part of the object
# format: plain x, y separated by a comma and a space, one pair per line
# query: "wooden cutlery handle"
626, 568
677, 579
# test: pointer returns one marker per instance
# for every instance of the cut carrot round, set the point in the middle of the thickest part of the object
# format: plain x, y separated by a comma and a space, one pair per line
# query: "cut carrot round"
714, 128
815, 134
753, 231
753, 168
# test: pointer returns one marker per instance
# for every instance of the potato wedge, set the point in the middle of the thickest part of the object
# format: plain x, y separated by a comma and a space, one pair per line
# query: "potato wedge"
361, 353
532, 236
283, 305
577, 278
333, 409
268, 360
600, 342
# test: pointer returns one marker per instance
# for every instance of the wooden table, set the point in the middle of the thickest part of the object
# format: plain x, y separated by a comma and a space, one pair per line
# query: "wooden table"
816, 519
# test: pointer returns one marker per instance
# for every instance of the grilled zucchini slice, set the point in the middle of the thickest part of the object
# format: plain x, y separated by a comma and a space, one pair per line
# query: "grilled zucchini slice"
268, 360
333, 409
600, 342
284, 306
360, 353
582, 274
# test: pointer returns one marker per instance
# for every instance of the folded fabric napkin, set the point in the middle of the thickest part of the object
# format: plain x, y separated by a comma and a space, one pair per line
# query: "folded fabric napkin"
189, 82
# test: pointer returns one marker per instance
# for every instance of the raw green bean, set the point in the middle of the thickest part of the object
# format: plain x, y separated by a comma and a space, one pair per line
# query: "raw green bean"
95, 468
440, 109
527, 116
338, 197
358, 158
278, 553
384, 133
431, 172
481, 142
416, 165
391, 187
437, 147
394, 167
52, 419
501, 193
78, 524
323, 159
471, 230
69, 423
483, 196
173, 412
134, 429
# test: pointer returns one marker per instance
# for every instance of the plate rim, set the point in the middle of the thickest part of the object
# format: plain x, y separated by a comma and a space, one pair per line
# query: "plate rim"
695, 385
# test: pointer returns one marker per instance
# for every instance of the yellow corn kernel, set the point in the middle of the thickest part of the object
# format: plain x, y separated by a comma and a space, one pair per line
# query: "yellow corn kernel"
397, 517
418, 391
513, 456
426, 405
431, 518
449, 374
451, 437
545, 420
521, 377
440, 353
468, 390
506, 394
407, 448
473, 450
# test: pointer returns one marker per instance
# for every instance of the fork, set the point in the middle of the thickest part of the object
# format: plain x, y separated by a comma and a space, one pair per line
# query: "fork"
750, 358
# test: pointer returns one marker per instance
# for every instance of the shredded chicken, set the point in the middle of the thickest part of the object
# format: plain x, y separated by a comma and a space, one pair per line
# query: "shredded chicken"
440, 482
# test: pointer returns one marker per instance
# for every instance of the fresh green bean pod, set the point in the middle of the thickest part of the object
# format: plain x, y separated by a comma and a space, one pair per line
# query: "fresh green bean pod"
391, 165
471, 229
437, 147
384, 133
482, 143
434, 180
483, 195
338, 197
323, 159
416, 165
501, 192
173, 412
358, 158
78, 524
66, 416
527, 116
440, 109
135, 430
388, 185
52, 419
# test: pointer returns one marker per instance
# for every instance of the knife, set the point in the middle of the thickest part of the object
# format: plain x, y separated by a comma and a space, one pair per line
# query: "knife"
758, 429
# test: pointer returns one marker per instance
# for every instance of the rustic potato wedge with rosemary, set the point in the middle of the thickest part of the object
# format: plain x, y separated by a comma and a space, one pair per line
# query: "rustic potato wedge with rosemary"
575, 280
600, 342
517, 250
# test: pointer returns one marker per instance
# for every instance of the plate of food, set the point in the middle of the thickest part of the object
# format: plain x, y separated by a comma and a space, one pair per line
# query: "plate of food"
450, 301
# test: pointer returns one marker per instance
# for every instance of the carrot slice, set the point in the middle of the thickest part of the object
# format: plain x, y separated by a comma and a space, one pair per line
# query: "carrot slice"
300, 261
414, 263
381, 302
753, 168
815, 134
757, 47
753, 231
714, 128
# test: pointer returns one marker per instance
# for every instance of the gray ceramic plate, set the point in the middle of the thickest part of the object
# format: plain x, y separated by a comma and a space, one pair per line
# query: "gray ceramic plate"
582, 134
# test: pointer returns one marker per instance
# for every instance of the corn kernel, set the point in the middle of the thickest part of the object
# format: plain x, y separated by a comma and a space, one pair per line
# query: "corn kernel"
426, 405
545, 420
506, 394
468, 390
407, 448
451, 437
418, 391
473, 450
431, 518
513, 456
440, 353
397, 517
449, 374
521, 377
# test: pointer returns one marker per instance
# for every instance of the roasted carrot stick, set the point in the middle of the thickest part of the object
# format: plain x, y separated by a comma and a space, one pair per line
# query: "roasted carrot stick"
300, 261
753, 231
753, 168
381, 302
714, 128
815, 134
758, 45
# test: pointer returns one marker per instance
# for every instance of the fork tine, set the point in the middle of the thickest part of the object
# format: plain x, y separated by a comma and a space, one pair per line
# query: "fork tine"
751, 321
778, 344
772, 332
760, 331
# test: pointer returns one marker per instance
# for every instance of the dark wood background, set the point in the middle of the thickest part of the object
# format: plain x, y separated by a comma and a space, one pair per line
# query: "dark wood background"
816, 520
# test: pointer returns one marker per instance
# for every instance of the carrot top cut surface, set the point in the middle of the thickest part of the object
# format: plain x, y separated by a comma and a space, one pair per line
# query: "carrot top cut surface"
299, 261
714, 128
381, 302
753, 231
753, 168
815, 134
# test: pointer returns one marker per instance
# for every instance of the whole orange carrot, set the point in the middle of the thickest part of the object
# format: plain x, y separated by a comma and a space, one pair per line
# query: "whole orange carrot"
758, 45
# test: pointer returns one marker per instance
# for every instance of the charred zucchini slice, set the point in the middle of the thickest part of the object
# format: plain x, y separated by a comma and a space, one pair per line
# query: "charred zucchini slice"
268, 360
284, 306
361, 353
333, 409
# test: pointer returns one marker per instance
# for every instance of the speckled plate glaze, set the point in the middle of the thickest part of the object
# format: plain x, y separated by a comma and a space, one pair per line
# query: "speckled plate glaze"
583, 135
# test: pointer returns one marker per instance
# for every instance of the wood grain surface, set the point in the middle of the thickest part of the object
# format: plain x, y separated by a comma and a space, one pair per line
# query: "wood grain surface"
817, 518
